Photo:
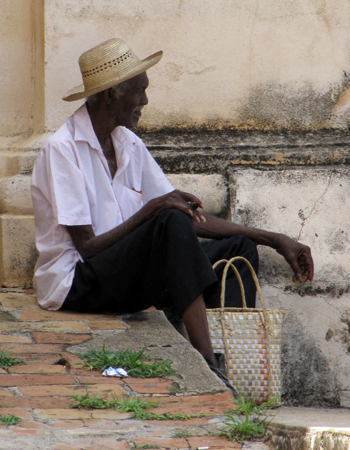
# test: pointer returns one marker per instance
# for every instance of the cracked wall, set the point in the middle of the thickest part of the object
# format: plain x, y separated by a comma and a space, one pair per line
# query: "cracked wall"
312, 205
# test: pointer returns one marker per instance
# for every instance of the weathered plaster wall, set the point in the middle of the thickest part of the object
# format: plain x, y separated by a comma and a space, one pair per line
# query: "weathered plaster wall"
249, 64
311, 205
16, 67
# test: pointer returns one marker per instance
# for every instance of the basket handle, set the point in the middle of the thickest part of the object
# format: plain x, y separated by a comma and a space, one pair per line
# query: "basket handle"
229, 263
223, 282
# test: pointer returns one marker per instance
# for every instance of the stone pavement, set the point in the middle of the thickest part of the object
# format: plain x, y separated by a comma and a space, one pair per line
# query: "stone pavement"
39, 391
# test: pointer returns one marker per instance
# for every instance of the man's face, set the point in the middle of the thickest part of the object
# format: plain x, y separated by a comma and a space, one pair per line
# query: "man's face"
126, 110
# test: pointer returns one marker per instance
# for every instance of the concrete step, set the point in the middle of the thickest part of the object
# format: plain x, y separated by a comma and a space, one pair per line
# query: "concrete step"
310, 428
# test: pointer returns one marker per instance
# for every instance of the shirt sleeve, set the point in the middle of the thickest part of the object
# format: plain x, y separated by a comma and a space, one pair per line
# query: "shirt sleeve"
154, 181
68, 194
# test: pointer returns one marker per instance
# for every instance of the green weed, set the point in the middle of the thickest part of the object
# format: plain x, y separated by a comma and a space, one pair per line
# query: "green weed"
133, 362
182, 434
245, 406
248, 427
125, 404
7, 361
9, 420
146, 415
176, 389
144, 446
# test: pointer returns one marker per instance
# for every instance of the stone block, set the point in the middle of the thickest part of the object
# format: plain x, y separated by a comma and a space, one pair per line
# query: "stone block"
71, 414
161, 442
17, 250
8, 166
13, 301
15, 195
315, 362
16, 380
45, 326
26, 160
310, 205
211, 189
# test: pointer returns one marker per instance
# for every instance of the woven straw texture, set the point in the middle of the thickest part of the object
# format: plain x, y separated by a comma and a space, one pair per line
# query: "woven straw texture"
251, 341
107, 65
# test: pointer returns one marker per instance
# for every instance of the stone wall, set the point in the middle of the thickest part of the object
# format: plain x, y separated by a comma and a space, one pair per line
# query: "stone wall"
249, 109
298, 185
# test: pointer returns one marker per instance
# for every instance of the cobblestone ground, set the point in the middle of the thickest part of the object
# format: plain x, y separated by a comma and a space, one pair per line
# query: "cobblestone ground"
39, 391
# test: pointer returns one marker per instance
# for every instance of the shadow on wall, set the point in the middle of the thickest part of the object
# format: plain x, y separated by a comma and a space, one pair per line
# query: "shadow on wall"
307, 379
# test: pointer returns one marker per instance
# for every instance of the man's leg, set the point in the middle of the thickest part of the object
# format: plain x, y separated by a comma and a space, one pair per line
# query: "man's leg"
195, 320
162, 261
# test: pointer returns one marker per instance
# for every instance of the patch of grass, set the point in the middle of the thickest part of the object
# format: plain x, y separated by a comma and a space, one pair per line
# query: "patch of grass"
248, 426
125, 404
9, 420
133, 362
176, 389
182, 434
7, 361
248, 430
144, 446
146, 415
245, 406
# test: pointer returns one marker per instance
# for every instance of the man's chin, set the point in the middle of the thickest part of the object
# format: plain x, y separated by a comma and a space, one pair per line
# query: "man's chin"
134, 122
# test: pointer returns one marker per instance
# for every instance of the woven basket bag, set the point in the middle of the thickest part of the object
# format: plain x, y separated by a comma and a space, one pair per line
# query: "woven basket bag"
250, 339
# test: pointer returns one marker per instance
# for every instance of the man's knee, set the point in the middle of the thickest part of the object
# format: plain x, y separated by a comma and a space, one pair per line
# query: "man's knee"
174, 218
247, 248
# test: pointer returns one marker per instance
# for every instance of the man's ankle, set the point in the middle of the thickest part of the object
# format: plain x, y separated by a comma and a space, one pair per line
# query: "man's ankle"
211, 361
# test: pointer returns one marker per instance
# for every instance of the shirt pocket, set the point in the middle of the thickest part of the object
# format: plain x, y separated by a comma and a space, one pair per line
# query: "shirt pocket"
131, 202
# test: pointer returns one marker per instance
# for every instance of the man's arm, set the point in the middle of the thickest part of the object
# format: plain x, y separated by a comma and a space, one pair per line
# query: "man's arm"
88, 244
297, 255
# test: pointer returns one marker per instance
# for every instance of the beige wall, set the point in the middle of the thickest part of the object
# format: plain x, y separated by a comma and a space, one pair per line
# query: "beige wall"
263, 64
21, 68
249, 63
16, 67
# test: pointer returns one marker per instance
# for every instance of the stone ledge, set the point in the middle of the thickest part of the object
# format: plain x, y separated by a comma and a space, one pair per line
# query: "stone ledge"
310, 428
17, 250
203, 151
219, 160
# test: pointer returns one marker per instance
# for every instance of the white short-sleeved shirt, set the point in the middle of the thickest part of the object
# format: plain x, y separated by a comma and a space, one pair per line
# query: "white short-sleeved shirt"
72, 185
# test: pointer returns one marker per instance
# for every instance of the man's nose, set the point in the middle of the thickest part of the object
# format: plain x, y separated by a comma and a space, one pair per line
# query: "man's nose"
144, 99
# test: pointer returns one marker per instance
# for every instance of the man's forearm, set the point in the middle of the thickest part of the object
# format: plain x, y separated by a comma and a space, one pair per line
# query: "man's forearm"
88, 244
215, 228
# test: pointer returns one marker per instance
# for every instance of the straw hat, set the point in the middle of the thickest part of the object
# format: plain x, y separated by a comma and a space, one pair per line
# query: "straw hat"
107, 65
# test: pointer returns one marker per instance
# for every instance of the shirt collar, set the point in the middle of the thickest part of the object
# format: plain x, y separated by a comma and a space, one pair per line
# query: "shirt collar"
83, 131
121, 136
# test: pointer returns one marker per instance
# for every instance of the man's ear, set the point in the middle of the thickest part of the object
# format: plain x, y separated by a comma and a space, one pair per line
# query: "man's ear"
108, 96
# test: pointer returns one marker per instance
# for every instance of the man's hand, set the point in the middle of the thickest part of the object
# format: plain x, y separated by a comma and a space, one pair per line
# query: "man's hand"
183, 201
298, 257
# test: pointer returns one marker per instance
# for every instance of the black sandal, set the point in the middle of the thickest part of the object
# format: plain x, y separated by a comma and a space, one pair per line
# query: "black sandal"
220, 372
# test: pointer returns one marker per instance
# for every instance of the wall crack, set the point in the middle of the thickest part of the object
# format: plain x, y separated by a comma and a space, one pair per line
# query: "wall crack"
314, 208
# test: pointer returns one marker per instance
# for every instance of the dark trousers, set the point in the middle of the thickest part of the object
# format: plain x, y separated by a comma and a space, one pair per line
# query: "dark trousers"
161, 263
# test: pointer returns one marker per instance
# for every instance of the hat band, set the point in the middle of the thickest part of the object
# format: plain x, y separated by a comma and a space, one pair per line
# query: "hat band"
115, 68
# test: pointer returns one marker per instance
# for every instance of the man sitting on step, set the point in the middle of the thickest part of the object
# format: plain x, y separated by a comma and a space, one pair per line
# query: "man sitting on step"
112, 233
